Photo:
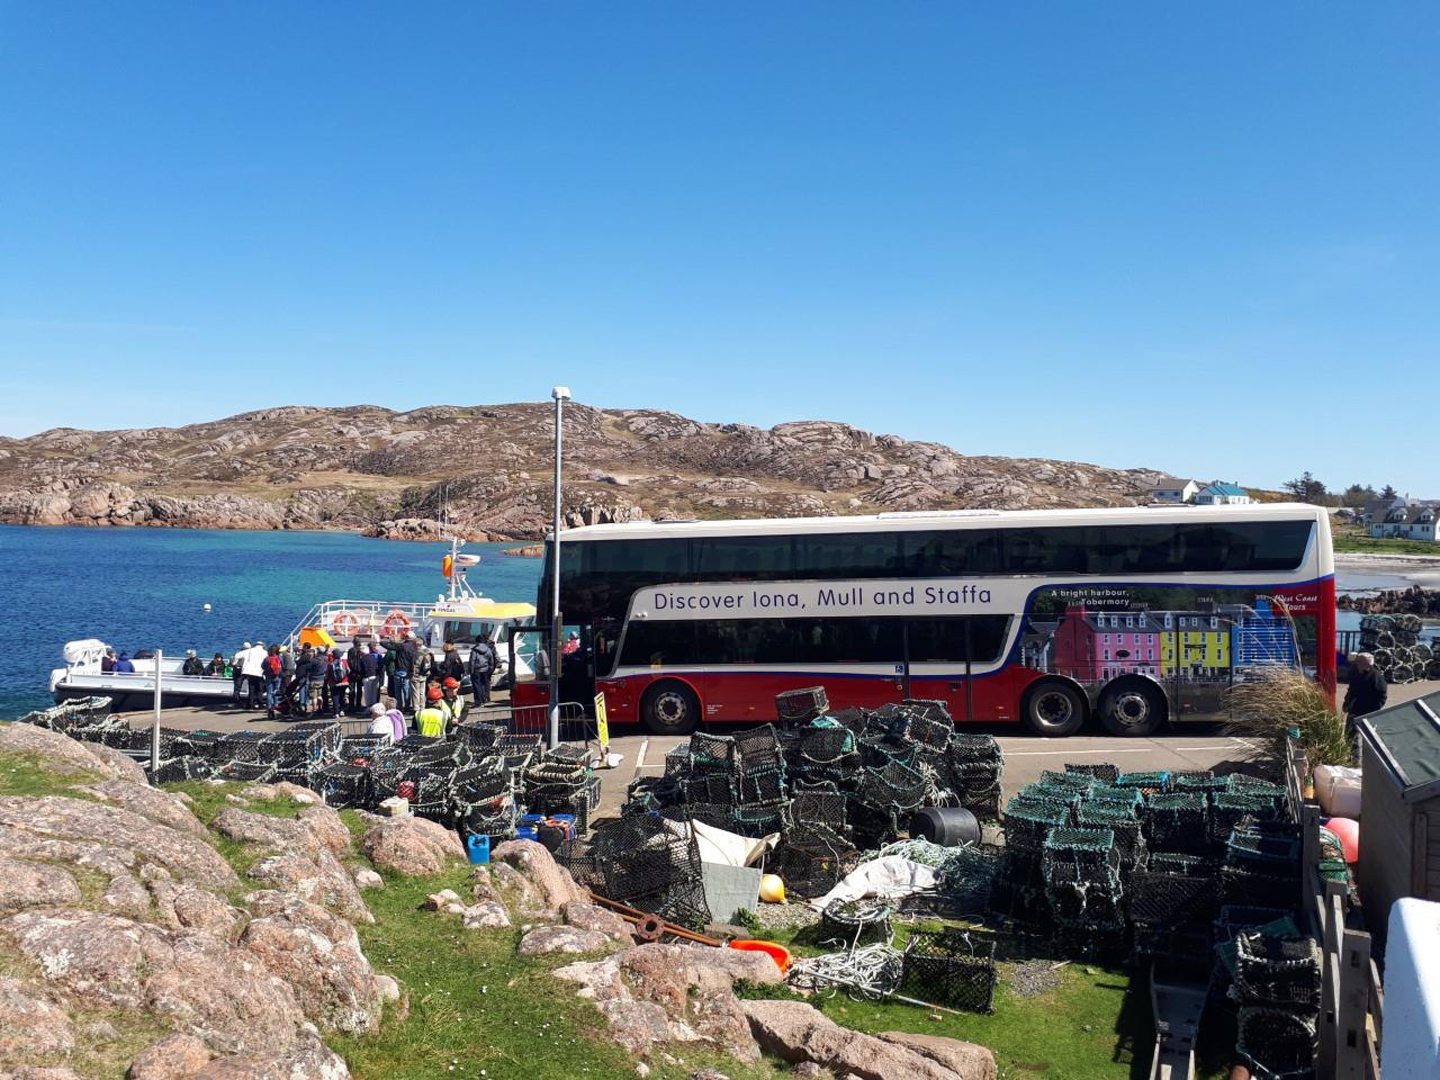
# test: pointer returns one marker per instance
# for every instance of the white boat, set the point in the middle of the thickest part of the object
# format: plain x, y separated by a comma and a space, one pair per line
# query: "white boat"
460, 616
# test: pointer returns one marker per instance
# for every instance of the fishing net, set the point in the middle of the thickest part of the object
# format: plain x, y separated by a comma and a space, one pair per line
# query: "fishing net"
818, 808
813, 860
950, 967
649, 865
855, 922
1279, 1044
711, 753
173, 770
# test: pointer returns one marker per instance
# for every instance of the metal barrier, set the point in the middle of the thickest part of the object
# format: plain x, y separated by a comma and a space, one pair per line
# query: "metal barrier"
575, 726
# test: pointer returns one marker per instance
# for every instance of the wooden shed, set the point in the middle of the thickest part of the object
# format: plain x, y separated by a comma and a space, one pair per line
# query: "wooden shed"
1399, 806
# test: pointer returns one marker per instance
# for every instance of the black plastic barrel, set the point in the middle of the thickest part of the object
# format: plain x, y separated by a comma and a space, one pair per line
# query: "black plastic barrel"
947, 826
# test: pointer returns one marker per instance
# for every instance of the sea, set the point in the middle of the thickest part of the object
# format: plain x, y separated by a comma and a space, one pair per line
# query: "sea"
147, 588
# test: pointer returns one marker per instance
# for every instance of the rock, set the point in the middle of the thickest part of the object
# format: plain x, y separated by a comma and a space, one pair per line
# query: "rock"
588, 916
306, 1059
195, 983
321, 879
26, 885
319, 955
707, 1074
486, 915
61, 753
544, 940
110, 836
147, 802
184, 907
267, 831
327, 828
175, 1057
554, 883
437, 901
810, 1071
302, 795
126, 896
365, 878
454, 908
412, 846
962, 1058
388, 987
30, 1026
119, 764
796, 1031
42, 1072
517, 892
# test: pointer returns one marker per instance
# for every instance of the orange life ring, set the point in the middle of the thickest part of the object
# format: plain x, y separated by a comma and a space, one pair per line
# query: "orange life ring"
345, 624
395, 626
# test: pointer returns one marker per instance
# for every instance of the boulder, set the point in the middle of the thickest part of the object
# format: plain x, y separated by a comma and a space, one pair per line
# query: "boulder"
117, 763
485, 915
148, 802
588, 916
412, 846
319, 955
962, 1058
61, 754
182, 906
126, 896
544, 940
175, 1057
277, 834
28, 885
551, 880
107, 835
327, 828
306, 1059
365, 878
796, 1032
30, 1026
321, 879
440, 900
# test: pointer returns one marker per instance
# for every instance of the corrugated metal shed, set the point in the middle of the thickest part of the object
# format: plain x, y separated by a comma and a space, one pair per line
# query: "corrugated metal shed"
1400, 806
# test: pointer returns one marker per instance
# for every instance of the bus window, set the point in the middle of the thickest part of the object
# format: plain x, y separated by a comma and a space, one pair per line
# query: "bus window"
939, 640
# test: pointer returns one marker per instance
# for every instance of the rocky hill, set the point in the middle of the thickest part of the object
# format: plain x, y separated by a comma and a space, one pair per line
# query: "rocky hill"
388, 473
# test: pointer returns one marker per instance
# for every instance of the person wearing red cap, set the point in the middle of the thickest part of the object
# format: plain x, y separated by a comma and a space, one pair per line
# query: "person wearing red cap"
454, 705
434, 717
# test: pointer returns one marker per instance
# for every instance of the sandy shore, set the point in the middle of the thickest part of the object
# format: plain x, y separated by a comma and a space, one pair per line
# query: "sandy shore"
1367, 570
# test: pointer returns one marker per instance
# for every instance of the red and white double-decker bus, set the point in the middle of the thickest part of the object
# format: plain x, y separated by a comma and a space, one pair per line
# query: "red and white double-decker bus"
1130, 616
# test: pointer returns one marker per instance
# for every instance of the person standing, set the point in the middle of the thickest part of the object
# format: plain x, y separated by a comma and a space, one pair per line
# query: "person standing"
355, 661
273, 670
337, 683
404, 654
373, 665
1367, 690
237, 671
451, 702
483, 661
251, 661
432, 719
450, 666
420, 674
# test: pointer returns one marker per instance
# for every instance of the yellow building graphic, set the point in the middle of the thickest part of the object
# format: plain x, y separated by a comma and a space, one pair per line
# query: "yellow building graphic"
1194, 644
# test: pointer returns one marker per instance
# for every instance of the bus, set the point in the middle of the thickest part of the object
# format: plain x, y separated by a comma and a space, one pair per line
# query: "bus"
1131, 617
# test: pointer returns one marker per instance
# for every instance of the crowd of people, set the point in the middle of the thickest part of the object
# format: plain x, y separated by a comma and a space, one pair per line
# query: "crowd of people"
386, 681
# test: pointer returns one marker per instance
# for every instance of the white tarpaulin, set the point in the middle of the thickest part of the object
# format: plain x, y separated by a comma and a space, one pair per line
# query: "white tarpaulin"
888, 877
725, 848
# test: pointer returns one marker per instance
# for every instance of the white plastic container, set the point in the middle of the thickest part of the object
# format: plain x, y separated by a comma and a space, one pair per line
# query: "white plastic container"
1337, 787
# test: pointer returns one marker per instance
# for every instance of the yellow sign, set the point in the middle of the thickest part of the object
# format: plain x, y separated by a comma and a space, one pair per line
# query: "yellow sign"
602, 726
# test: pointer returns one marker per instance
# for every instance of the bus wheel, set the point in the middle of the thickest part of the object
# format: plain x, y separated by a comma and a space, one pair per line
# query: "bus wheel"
1133, 708
670, 708
1054, 709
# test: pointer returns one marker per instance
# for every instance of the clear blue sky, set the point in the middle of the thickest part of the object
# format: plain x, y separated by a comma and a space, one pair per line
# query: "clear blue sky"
1201, 237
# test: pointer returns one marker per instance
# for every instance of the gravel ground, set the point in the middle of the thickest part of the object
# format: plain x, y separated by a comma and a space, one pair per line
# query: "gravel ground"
786, 916
1031, 978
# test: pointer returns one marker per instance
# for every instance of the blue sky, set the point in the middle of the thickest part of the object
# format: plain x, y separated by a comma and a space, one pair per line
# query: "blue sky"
1200, 237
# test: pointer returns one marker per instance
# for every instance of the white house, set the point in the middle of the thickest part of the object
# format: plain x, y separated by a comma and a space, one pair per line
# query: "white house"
1170, 489
1222, 494
1415, 521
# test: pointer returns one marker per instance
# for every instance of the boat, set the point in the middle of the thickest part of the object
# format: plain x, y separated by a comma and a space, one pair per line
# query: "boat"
460, 616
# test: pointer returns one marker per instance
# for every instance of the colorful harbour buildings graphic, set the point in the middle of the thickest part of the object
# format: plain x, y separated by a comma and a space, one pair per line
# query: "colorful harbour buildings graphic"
1096, 645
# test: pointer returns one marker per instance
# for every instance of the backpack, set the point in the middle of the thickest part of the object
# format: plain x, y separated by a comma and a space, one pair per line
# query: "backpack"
423, 662
337, 672
482, 660
272, 666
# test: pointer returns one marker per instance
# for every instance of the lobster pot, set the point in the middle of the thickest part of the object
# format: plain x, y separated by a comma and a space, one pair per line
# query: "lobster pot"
518, 750
677, 761
174, 770
711, 753
761, 820
758, 750
251, 772
324, 734
1271, 970
812, 860
207, 745
926, 723
648, 866
818, 808
361, 749
1178, 822
1279, 1043
480, 737
345, 786
801, 706
950, 967
1098, 770
243, 747
856, 922
291, 748
494, 818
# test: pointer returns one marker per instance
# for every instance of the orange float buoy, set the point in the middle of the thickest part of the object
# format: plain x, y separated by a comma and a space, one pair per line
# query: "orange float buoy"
1347, 831
778, 953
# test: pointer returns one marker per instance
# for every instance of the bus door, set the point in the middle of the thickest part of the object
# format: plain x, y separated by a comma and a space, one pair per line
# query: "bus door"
950, 642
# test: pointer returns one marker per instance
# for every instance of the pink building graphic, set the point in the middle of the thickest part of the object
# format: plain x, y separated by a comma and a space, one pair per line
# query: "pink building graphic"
1095, 645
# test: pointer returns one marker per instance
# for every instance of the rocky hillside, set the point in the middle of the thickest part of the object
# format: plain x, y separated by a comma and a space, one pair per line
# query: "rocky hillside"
388, 473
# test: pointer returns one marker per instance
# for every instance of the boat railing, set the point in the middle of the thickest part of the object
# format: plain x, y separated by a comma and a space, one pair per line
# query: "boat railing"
363, 616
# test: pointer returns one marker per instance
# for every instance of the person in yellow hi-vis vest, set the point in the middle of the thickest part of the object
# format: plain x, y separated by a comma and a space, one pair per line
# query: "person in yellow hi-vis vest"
434, 718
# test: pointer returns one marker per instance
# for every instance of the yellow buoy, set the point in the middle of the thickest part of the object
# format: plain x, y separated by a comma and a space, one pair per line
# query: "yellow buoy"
772, 889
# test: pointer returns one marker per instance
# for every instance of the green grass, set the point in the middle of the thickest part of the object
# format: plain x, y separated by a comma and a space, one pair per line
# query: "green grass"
26, 774
475, 1006
1353, 539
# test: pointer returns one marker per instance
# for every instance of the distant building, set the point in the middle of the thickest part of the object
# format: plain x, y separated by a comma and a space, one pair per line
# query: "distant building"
1222, 494
1093, 645
1170, 489
1377, 510
1407, 521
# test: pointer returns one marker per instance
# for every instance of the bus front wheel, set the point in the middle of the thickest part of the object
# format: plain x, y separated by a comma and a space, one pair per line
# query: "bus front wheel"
670, 708
1132, 707
1054, 709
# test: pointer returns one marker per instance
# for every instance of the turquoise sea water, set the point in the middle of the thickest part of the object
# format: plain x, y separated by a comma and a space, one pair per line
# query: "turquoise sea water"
145, 588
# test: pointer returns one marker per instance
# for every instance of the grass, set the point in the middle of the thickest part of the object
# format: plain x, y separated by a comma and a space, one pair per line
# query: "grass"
1353, 539
1274, 703
26, 774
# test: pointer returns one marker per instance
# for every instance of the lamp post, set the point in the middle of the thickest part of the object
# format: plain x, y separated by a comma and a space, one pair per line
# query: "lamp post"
561, 394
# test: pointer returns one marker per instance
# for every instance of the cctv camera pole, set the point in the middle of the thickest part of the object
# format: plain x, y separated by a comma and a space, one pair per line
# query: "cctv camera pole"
561, 394
155, 724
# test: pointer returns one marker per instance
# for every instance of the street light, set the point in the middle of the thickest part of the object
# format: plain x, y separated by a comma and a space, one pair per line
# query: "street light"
561, 394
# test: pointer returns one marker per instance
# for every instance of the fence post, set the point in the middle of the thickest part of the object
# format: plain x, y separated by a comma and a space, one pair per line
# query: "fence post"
1354, 962
1332, 1036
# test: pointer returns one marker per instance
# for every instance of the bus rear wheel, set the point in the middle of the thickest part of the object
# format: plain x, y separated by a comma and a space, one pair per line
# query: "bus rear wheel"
1133, 708
670, 708
1054, 709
